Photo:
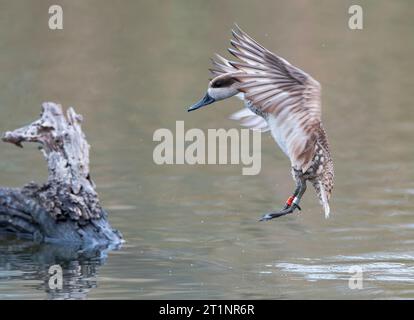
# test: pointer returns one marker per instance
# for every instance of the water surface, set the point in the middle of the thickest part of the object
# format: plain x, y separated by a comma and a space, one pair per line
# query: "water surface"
193, 231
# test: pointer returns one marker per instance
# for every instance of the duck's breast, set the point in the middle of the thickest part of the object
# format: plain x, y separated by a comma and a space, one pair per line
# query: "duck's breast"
277, 132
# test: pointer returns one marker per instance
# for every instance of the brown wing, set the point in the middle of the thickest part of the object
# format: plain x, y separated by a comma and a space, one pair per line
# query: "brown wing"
287, 94
221, 66
246, 117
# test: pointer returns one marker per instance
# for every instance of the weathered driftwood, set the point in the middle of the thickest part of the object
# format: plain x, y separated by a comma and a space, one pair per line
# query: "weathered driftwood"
66, 208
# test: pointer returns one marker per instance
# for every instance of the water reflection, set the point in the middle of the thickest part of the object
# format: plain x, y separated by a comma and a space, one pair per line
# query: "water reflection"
34, 263
192, 231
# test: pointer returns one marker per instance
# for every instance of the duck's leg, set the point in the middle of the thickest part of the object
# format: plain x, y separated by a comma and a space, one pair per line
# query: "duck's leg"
292, 203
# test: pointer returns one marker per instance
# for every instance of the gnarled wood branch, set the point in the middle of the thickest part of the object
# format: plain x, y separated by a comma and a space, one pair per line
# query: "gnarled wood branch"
68, 202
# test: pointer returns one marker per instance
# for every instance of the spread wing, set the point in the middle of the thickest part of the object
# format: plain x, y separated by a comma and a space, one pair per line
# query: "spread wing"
246, 117
250, 120
289, 96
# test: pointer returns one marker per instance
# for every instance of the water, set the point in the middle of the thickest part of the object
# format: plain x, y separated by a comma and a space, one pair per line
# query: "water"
192, 231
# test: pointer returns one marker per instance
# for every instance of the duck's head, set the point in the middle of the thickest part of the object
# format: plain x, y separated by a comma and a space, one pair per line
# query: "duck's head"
221, 87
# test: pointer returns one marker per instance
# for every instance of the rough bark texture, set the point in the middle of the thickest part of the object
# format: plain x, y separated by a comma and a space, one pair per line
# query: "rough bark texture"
67, 207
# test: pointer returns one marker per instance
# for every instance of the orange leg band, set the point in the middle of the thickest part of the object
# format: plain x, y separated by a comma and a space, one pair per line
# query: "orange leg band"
289, 201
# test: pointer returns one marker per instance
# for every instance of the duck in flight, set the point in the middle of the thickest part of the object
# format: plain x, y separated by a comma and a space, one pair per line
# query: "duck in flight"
284, 100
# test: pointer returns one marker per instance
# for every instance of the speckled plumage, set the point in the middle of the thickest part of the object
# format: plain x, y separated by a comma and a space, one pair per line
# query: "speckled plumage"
285, 100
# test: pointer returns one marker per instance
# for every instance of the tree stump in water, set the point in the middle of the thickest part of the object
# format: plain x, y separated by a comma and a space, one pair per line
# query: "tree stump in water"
66, 208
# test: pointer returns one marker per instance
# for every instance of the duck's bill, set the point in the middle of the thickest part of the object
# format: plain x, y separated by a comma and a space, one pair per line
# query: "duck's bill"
203, 102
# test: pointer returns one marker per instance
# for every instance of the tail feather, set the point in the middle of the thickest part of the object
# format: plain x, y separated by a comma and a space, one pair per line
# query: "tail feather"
324, 200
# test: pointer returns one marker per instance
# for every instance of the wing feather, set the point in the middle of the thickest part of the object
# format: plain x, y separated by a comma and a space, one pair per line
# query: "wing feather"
250, 120
273, 85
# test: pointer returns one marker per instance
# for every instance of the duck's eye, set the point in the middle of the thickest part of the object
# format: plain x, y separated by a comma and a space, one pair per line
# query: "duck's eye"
217, 84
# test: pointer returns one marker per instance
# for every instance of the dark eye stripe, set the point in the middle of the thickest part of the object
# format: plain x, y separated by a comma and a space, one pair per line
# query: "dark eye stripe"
223, 83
